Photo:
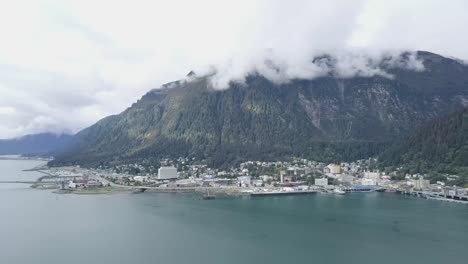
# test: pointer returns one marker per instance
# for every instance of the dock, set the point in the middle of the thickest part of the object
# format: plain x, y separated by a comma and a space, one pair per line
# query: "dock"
435, 196
282, 193
25, 182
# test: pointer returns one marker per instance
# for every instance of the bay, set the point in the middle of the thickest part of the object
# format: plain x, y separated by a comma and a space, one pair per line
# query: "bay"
37, 226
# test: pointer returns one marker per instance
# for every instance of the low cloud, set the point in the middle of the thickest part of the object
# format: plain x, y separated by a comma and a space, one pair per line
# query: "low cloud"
339, 64
64, 64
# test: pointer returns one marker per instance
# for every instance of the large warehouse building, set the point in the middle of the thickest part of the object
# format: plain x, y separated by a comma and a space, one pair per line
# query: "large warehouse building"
167, 172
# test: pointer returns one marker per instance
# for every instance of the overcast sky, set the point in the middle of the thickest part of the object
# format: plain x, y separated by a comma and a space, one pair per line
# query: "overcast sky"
66, 64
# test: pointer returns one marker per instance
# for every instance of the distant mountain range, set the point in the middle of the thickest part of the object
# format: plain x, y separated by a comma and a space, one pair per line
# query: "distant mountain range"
36, 144
326, 118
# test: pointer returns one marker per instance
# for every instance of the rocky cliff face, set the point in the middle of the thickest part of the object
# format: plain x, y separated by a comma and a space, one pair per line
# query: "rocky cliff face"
324, 118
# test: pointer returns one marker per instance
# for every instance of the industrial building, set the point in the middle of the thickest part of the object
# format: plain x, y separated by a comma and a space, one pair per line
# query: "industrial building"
167, 172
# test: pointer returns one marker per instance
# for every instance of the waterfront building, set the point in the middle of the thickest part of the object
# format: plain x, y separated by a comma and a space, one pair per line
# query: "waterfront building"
223, 181
244, 181
366, 181
421, 183
257, 182
140, 178
460, 191
93, 183
321, 181
167, 172
184, 183
217, 182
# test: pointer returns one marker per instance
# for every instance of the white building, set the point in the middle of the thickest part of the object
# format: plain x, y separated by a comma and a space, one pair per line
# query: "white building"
365, 181
257, 182
321, 181
72, 185
372, 175
244, 181
167, 172
140, 178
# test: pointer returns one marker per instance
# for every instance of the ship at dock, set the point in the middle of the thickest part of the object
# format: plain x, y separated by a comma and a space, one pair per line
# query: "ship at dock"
363, 188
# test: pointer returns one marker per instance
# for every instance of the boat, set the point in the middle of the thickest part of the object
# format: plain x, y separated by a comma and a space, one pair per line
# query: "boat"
362, 188
338, 191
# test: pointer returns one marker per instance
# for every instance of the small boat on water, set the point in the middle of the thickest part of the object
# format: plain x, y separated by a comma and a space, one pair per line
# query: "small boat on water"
338, 191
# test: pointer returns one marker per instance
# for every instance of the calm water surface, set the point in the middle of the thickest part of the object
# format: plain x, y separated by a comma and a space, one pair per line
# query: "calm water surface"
37, 226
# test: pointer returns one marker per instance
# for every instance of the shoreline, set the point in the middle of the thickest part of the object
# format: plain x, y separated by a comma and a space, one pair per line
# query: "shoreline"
116, 188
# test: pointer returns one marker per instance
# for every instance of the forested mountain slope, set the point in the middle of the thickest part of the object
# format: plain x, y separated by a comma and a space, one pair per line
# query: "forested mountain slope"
325, 118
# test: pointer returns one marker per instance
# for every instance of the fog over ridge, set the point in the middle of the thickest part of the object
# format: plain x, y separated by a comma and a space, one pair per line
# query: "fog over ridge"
64, 64
339, 64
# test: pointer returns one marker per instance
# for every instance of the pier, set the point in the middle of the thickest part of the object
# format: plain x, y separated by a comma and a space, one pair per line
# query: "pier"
24, 182
435, 196
282, 193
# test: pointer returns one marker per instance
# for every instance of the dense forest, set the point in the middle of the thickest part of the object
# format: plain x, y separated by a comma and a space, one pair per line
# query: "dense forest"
440, 147
324, 119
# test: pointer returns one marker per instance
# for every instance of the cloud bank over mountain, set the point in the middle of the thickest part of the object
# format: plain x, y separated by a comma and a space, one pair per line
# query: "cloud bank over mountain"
66, 64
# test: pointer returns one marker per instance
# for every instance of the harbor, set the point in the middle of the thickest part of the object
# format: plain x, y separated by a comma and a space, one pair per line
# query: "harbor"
292, 179
297, 224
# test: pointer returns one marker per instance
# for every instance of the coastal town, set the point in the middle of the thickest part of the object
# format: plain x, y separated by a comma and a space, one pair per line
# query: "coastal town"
255, 178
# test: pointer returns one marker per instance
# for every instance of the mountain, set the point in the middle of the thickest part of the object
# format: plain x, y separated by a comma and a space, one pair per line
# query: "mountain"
326, 118
441, 145
36, 144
